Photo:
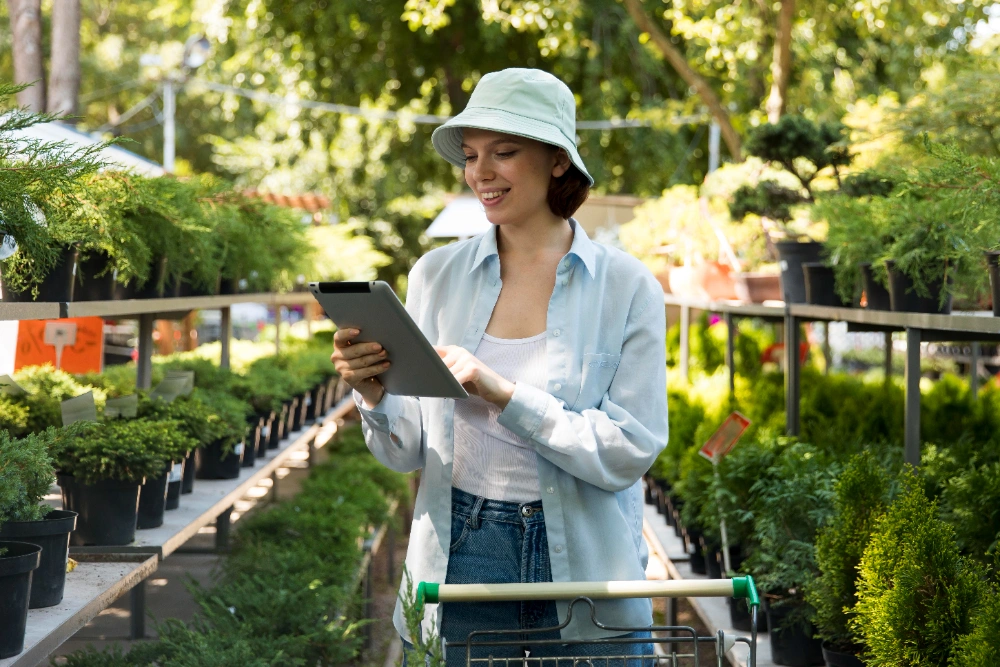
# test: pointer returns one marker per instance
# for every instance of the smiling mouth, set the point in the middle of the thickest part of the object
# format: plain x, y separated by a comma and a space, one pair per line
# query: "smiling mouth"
493, 197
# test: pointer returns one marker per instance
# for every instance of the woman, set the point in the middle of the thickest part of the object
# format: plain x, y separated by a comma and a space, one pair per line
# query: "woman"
560, 343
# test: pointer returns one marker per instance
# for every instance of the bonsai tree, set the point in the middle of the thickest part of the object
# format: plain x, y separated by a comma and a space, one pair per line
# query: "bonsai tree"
803, 149
916, 593
124, 450
861, 498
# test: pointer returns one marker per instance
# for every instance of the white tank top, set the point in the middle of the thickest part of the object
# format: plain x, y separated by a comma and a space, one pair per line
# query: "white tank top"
490, 460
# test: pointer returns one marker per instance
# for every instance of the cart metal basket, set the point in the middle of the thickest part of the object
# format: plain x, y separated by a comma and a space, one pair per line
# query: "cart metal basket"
676, 646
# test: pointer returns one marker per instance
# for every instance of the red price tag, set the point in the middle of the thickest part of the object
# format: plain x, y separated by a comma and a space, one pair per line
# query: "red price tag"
724, 439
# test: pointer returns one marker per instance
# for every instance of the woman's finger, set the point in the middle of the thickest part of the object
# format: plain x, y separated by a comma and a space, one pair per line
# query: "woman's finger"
358, 350
357, 363
360, 374
342, 337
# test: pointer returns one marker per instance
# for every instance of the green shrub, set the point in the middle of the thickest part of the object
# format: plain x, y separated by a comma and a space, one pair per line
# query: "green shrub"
916, 594
26, 473
862, 497
124, 450
981, 647
970, 503
13, 415
46, 388
194, 418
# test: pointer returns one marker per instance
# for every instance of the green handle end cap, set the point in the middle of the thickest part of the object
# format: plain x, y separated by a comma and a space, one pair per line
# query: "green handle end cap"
743, 587
427, 593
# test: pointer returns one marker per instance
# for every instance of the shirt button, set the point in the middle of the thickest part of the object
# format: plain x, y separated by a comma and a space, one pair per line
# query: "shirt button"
558, 549
551, 489
556, 333
557, 386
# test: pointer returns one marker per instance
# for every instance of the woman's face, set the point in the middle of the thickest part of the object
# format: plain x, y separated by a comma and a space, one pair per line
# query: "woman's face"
510, 175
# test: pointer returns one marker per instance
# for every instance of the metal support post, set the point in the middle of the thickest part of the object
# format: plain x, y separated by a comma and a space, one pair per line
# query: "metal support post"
911, 452
169, 109
144, 364
137, 616
792, 379
887, 362
827, 353
730, 351
226, 336
974, 371
223, 522
369, 594
685, 341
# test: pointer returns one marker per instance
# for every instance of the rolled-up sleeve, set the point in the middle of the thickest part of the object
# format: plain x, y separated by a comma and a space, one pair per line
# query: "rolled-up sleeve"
613, 445
393, 429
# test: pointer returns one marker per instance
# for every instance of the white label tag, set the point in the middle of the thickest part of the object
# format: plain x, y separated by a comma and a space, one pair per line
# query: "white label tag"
8, 246
176, 473
309, 400
9, 387
265, 431
81, 408
238, 449
126, 406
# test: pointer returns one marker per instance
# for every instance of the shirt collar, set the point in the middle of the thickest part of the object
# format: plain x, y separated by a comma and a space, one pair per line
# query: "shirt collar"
582, 247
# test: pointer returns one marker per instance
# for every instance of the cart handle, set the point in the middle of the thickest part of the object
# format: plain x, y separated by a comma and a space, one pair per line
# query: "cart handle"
737, 587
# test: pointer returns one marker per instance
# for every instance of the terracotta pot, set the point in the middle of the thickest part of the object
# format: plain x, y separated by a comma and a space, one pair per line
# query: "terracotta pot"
757, 287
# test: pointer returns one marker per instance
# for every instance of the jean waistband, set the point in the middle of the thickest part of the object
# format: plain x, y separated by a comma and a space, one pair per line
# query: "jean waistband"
463, 502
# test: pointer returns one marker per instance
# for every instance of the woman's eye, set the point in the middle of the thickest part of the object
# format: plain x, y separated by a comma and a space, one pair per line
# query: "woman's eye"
506, 155
470, 158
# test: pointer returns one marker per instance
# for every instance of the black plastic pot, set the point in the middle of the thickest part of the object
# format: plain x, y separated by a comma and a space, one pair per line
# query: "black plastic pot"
174, 482
108, 510
160, 284
187, 477
821, 285
250, 447
696, 555
836, 658
876, 295
188, 288
90, 287
713, 560
124, 292
52, 535
792, 255
905, 300
280, 427
331, 393
16, 565
315, 403
266, 422
211, 464
993, 259
298, 412
153, 501
793, 646
739, 615
57, 286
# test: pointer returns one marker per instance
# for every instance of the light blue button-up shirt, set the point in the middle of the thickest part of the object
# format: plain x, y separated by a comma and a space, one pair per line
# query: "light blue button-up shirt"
597, 427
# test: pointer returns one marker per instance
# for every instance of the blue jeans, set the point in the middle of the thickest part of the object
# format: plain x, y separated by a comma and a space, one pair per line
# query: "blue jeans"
501, 542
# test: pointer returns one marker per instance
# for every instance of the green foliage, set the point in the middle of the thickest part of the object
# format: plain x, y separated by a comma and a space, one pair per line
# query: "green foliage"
13, 415
46, 388
868, 183
124, 450
970, 502
285, 594
26, 473
804, 148
981, 647
790, 503
915, 592
768, 199
862, 497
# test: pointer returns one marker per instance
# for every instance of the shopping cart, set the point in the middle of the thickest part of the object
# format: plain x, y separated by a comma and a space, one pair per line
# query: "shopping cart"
677, 646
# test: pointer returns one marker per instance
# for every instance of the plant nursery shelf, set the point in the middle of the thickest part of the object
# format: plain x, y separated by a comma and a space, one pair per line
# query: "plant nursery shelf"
764, 311
95, 584
967, 324
212, 499
51, 310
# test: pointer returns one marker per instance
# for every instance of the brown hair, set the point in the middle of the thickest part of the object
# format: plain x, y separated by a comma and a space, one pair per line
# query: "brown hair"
568, 192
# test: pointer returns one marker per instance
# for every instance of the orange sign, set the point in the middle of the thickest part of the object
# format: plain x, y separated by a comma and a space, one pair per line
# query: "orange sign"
76, 344
725, 438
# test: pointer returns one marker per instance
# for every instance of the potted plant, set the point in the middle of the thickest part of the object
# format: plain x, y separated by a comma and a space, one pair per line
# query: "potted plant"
789, 506
196, 423
45, 388
26, 473
916, 593
222, 457
173, 444
804, 149
100, 471
17, 561
862, 497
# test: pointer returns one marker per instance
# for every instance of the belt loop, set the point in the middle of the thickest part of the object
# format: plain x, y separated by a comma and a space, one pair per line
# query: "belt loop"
474, 517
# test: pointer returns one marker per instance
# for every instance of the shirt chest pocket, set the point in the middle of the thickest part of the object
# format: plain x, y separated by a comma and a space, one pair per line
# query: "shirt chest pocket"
598, 372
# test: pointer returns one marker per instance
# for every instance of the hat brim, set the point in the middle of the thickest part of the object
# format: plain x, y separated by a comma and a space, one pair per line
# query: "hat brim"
447, 138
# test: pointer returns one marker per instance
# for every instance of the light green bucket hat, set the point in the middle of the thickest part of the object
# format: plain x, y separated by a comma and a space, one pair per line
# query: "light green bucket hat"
525, 102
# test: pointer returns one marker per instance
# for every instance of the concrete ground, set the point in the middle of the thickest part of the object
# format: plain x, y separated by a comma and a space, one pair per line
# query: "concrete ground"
167, 595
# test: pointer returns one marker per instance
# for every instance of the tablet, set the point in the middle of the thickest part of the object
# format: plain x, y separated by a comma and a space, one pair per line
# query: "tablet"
373, 309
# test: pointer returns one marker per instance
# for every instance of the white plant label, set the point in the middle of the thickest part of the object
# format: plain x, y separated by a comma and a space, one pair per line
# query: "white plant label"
9, 387
81, 408
8, 246
238, 449
125, 406
170, 388
265, 431
187, 377
176, 473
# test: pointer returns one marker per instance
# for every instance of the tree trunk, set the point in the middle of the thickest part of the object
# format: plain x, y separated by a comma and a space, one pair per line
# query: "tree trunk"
64, 70
781, 63
26, 28
692, 78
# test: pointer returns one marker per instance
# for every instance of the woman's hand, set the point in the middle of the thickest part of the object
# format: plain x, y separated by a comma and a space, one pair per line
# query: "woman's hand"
477, 378
358, 364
